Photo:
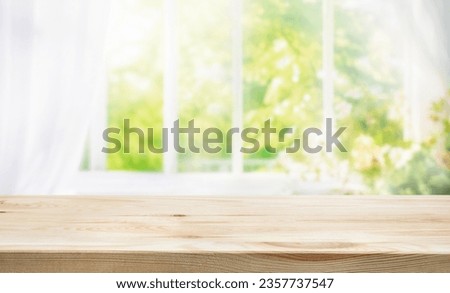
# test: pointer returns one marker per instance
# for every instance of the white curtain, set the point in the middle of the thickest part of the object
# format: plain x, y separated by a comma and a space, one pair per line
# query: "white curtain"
51, 54
426, 27
426, 24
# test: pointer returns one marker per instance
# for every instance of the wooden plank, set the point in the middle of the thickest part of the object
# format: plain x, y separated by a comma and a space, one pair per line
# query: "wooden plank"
228, 234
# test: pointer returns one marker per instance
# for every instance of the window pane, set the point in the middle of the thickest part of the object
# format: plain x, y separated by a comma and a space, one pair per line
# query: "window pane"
282, 65
135, 78
369, 64
369, 92
204, 30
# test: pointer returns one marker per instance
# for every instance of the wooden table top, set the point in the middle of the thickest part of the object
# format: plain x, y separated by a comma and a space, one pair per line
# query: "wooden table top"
225, 234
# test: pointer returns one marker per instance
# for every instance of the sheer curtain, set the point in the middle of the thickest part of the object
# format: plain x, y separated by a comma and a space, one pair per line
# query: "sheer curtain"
50, 62
426, 28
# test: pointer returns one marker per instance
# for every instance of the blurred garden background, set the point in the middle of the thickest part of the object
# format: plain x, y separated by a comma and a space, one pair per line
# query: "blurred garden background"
283, 81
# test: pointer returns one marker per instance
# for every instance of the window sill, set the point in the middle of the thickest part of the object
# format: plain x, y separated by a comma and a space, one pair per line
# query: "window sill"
195, 184
225, 234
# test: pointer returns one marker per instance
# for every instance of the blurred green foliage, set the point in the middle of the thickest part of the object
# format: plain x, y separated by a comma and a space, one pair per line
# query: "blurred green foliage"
428, 171
282, 82
135, 79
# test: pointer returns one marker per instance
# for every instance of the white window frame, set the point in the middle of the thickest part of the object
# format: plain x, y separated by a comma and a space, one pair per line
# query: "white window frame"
99, 181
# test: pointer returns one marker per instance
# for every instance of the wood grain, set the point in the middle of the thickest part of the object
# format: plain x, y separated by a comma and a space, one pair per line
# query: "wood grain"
228, 234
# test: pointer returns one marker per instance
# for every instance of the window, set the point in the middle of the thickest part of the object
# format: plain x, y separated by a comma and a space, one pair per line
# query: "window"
238, 63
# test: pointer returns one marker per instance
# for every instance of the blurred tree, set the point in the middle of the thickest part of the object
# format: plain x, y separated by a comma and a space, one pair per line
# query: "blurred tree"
282, 82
